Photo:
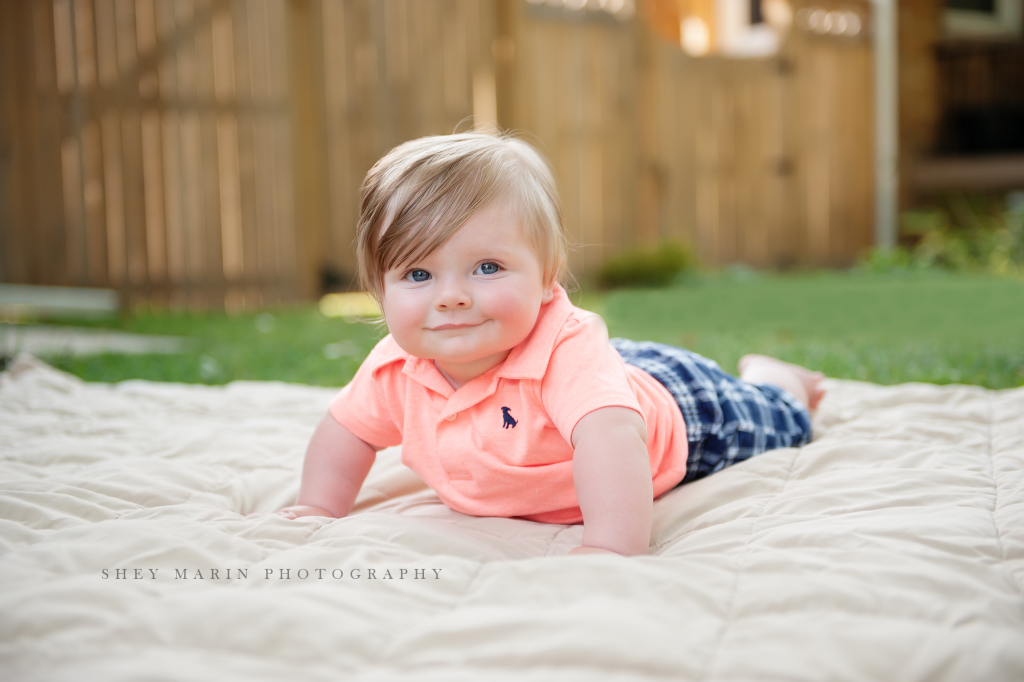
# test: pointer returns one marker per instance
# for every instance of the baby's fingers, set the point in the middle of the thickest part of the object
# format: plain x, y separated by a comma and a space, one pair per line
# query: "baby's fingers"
284, 513
303, 510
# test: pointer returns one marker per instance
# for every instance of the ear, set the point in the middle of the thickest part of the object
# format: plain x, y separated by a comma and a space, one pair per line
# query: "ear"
549, 294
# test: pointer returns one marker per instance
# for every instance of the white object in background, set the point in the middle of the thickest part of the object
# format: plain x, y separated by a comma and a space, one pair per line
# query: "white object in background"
694, 37
737, 36
886, 123
20, 300
43, 340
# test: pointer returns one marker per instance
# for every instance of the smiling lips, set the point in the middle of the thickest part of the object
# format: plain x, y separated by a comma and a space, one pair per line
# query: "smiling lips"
445, 327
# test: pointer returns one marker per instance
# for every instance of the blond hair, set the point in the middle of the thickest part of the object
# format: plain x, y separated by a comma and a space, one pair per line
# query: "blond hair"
421, 192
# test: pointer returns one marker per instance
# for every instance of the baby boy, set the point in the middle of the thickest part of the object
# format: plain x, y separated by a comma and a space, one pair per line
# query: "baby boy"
507, 399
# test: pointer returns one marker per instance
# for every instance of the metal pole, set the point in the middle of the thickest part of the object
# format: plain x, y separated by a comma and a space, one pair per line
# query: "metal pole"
886, 123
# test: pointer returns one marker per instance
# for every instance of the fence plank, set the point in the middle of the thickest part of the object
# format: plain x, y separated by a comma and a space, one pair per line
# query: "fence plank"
177, 273
153, 197
192, 200
246, 155
16, 86
306, 124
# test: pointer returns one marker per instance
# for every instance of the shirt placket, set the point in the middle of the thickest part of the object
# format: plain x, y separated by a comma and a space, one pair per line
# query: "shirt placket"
452, 425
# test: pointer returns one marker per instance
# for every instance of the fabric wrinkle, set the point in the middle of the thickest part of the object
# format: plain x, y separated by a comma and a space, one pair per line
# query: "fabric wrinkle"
741, 563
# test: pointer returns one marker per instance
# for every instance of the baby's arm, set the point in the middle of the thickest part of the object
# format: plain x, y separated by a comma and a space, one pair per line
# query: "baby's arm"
612, 472
335, 467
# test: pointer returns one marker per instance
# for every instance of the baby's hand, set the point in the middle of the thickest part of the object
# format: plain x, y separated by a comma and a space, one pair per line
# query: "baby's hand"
592, 550
303, 510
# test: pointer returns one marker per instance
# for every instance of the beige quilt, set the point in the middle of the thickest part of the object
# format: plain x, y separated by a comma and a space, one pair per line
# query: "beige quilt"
892, 548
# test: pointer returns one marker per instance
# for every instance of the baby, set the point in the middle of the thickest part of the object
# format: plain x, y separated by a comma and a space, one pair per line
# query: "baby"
507, 399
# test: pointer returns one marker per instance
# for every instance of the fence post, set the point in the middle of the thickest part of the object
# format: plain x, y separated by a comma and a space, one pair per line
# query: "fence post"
304, 71
508, 33
12, 216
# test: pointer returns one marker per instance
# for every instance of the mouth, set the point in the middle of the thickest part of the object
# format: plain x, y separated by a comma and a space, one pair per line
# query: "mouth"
445, 327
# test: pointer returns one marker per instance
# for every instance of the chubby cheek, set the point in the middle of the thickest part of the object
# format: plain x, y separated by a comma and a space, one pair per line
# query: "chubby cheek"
404, 316
518, 314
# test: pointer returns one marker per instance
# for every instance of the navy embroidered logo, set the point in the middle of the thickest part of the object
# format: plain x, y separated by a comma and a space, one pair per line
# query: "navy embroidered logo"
509, 421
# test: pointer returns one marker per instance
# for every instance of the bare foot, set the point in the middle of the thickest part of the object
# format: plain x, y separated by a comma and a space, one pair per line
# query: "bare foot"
800, 381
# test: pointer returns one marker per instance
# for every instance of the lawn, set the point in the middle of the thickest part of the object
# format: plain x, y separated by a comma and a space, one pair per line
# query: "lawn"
885, 329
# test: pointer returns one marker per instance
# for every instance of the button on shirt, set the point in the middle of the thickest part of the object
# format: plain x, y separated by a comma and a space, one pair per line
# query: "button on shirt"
500, 445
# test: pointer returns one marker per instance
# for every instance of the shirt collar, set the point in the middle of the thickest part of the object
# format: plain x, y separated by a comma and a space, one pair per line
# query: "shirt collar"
423, 371
529, 360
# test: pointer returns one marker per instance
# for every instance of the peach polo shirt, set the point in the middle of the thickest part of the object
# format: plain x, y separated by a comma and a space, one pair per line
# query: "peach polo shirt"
500, 445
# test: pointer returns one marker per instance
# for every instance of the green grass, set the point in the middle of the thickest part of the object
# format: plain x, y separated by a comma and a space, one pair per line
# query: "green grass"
932, 327
281, 345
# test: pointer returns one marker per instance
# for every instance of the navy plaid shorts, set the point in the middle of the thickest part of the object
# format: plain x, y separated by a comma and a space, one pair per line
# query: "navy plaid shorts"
727, 420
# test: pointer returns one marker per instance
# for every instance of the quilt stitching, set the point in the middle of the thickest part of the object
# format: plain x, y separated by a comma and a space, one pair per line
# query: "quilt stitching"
309, 538
740, 567
995, 496
554, 540
389, 652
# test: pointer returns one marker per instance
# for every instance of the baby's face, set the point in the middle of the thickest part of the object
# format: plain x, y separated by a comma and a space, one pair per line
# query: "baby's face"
466, 305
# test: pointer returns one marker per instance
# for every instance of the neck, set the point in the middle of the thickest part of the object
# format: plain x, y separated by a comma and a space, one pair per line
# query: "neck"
458, 374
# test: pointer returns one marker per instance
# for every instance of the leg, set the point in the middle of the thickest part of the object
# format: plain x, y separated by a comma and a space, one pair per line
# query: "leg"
727, 419
804, 384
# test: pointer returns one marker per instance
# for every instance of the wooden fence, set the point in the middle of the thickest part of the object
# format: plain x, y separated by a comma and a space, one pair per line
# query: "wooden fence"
765, 162
152, 149
208, 153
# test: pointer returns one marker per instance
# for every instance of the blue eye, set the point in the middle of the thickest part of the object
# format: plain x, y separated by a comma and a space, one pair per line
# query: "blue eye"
418, 276
487, 269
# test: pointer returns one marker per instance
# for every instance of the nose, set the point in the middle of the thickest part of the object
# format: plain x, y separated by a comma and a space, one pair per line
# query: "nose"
453, 295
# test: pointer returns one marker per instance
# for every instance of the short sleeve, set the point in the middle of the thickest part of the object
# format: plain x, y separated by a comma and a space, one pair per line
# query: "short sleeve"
584, 374
370, 405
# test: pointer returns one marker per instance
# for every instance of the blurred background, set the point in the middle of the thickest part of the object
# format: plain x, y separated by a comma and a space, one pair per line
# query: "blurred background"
205, 155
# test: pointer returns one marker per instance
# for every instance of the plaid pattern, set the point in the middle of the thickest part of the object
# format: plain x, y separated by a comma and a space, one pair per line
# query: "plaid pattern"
727, 420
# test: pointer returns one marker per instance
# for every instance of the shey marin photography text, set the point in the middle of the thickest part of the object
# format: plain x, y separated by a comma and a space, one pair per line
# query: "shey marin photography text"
308, 574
